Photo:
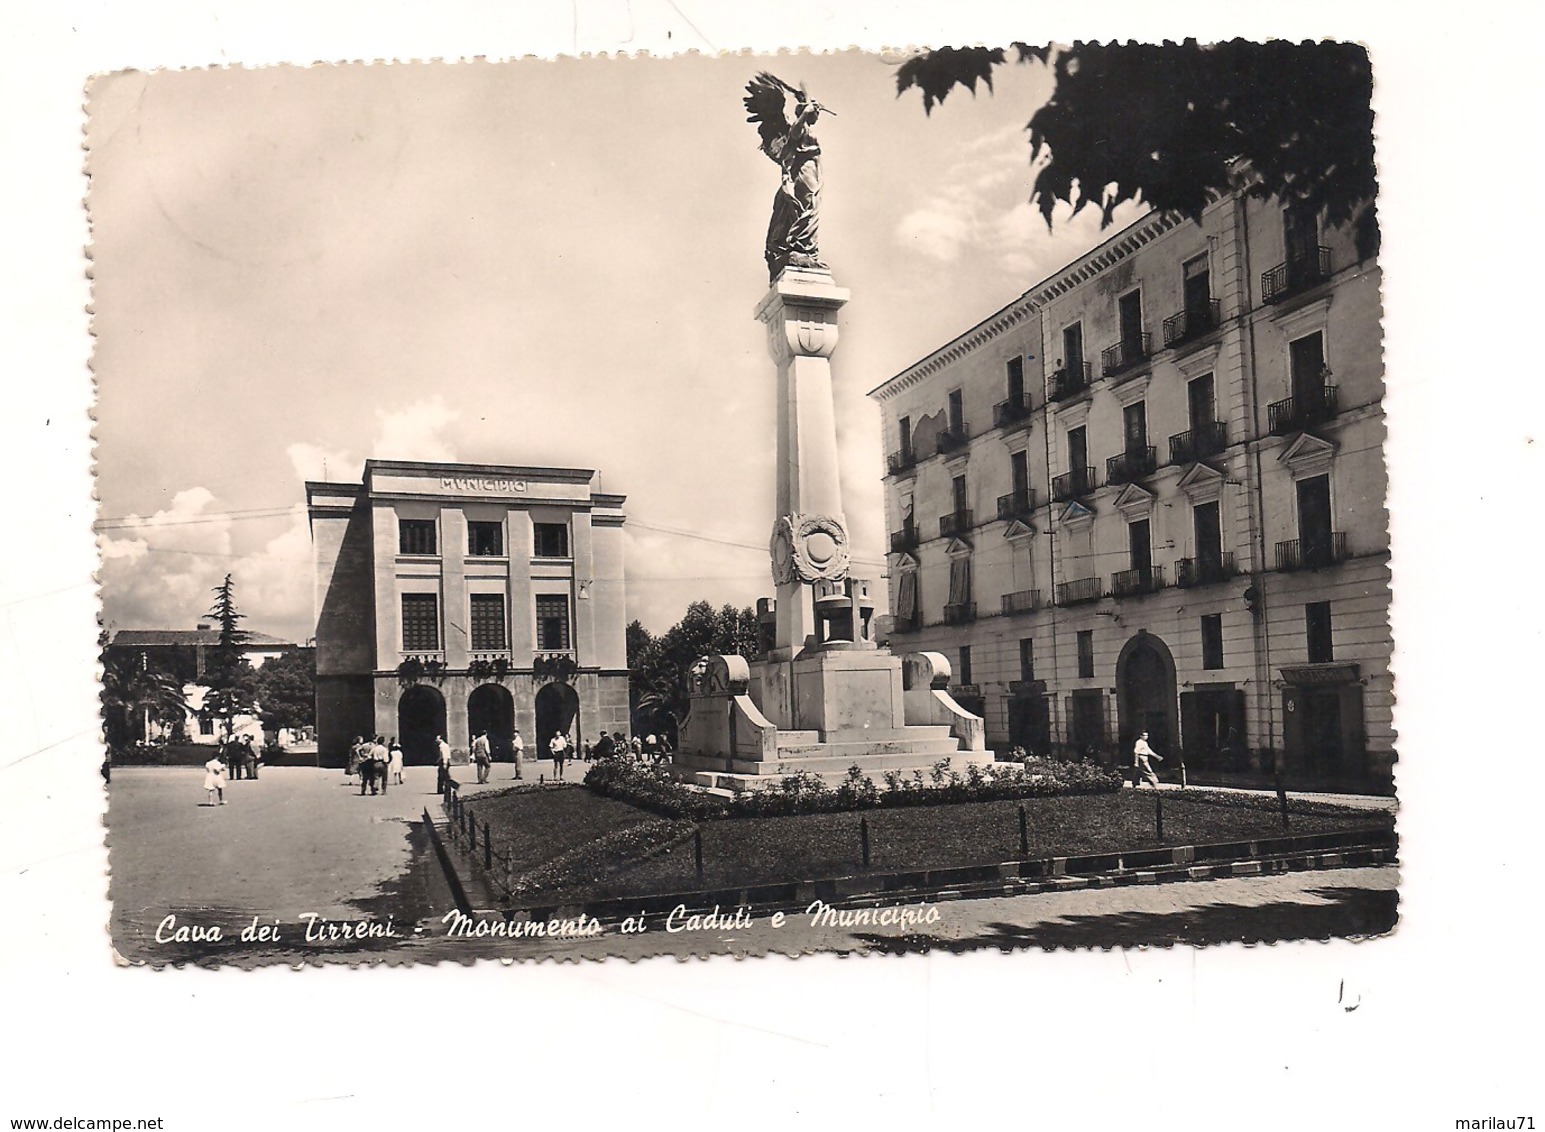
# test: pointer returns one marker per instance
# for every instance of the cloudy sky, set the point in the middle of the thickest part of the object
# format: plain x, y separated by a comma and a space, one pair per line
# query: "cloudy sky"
532, 262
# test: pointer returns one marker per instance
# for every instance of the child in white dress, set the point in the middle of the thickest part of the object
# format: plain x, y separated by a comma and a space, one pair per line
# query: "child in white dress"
214, 780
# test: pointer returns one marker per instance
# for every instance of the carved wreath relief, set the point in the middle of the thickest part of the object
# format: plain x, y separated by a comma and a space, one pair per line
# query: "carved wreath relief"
809, 548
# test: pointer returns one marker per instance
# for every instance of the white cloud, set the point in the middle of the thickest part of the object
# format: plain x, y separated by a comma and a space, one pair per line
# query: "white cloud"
313, 462
413, 432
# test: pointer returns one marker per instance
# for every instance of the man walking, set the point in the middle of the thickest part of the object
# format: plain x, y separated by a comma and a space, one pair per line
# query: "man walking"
481, 755
1142, 768
444, 776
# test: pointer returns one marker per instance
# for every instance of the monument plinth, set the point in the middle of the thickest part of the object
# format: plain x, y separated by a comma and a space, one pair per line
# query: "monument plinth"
823, 698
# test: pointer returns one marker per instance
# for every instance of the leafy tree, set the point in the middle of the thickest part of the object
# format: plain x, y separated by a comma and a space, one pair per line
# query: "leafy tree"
133, 694
1176, 124
286, 690
659, 665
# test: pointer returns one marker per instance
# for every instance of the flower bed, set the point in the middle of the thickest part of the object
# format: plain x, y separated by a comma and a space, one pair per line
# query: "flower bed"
653, 788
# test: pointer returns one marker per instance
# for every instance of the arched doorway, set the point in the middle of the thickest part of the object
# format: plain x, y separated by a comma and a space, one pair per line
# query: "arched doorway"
420, 721
491, 708
557, 709
1145, 695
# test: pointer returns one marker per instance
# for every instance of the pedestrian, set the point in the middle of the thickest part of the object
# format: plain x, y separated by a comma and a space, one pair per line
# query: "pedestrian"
351, 764
443, 779
603, 748
560, 750
380, 757
1141, 767
481, 755
586, 752
214, 781
518, 750
249, 756
394, 760
637, 747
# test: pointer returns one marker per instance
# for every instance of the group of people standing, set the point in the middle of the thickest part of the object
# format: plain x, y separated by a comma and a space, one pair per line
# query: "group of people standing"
376, 761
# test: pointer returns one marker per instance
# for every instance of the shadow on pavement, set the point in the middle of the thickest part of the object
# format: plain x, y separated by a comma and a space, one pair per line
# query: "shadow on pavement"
1348, 912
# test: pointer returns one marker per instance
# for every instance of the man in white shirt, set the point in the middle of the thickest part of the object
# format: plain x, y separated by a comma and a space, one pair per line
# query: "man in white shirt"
518, 748
1141, 753
445, 763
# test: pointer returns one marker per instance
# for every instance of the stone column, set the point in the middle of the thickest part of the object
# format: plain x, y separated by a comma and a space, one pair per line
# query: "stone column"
809, 540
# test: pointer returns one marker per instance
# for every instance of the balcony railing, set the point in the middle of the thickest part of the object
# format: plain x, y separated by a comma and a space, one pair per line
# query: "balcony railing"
1298, 273
1124, 354
1014, 411
959, 612
1016, 504
1203, 571
904, 539
953, 439
1079, 591
1128, 583
1071, 380
1296, 413
1133, 464
1201, 442
1022, 601
955, 523
1191, 323
903, 461
1312, 553
1073, 485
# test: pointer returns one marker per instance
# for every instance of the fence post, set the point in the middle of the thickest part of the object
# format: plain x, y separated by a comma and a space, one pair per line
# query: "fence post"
488, 849
697, 851
863, 838
1282, 800
1158, 816
1024, 832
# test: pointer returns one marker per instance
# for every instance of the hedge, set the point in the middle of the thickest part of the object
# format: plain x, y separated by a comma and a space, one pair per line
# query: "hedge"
653, 788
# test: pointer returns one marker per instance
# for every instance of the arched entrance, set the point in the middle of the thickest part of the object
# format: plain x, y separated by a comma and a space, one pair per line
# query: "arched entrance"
1145, 695
557, 709
491, 708
420, 721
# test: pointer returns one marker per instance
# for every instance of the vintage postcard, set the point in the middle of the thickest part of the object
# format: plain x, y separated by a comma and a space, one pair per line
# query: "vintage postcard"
614, 507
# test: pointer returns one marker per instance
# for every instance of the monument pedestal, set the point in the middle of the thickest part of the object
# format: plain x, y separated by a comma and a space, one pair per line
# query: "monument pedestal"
824, 699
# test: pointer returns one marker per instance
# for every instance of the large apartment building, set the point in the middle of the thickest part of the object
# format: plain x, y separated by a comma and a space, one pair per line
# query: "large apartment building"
453, 599
1149, 495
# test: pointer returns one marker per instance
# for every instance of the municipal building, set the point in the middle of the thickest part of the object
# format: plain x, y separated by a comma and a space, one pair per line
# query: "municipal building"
458, 598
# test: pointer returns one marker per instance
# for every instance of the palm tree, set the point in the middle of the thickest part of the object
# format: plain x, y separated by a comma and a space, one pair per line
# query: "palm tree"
134, 696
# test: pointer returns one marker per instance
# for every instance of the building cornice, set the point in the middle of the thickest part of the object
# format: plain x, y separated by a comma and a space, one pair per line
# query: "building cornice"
1080, 271
513, 471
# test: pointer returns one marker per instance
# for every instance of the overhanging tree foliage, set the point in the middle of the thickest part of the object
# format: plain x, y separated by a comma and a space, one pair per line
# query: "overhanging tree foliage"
1174, 124
134, 695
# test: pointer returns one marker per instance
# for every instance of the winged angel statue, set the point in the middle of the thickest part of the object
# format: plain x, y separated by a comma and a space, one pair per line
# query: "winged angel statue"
784, 117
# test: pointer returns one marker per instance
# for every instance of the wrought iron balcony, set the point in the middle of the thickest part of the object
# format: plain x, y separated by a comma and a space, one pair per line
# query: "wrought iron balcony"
1073, 485
1294, 414
1079, 591
1022, 601
955, 523
1325, 549
1191, 323
953, 439
1016, 504
1071, 380
1133, 464
904, 539
1013, 412
903, 461
1125, 354
1300, 272
1128, 583
1204, 570
959, 612
1201, 442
